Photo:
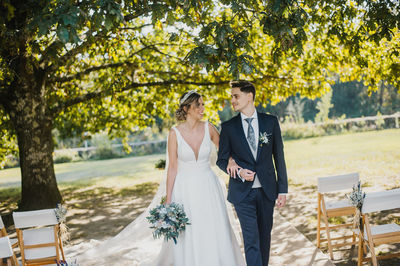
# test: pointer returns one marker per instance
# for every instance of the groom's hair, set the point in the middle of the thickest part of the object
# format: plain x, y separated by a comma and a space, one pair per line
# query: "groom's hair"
244, 86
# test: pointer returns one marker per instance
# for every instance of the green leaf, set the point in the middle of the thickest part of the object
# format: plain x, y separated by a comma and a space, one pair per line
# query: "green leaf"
173, 37
69, 19
63, 34
109, 22
43, 27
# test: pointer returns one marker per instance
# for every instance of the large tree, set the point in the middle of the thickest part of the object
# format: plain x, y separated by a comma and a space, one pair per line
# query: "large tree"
91, 65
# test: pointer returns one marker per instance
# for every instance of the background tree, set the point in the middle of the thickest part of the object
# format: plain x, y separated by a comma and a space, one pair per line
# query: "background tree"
90, 65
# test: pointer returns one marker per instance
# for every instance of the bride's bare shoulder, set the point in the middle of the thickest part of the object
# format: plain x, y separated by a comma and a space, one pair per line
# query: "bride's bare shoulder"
212, 129
172, 133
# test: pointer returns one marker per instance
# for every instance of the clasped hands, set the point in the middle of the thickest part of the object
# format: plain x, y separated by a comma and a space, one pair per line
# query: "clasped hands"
233, 170
247, 175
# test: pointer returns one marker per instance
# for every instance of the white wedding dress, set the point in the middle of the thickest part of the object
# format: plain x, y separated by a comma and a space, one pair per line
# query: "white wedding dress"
209, 239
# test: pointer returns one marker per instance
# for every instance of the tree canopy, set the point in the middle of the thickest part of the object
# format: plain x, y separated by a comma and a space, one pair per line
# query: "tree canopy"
91, 65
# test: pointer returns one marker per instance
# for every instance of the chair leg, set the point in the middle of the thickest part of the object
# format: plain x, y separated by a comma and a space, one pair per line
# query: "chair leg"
319, 222
360, 250
328, 236
61, 248
15, 261
319, 230
373, 256
353, 238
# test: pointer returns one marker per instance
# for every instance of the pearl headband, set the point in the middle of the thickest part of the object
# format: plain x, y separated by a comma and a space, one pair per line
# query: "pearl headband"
187, 96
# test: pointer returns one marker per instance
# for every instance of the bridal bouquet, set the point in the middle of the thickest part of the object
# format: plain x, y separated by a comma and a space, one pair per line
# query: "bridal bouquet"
168, 220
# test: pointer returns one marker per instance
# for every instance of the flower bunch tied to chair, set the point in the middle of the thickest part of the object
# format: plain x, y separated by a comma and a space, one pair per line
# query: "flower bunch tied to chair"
356, 198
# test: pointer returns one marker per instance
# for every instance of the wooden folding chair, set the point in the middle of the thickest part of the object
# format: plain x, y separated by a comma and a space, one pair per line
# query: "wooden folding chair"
38, 237
327, 209
6, 252
3, 232
375, 235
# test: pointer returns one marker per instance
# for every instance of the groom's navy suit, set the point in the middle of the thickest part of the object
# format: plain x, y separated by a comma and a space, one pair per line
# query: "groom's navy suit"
254, 206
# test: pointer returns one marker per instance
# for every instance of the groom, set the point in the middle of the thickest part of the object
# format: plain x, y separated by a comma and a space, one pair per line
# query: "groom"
252, 139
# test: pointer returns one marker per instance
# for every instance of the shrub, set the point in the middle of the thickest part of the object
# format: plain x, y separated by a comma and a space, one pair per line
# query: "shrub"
160, 164
103, 153
65, 156
63, 159
10, 162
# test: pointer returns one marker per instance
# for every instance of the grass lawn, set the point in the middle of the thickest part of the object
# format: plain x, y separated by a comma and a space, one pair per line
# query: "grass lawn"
108, 194
375, 155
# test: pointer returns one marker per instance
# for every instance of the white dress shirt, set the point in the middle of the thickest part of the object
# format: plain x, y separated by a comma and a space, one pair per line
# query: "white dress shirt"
254, 124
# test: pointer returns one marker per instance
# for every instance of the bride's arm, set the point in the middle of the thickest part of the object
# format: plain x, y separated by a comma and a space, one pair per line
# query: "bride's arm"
232, 167
214, 135
172, 164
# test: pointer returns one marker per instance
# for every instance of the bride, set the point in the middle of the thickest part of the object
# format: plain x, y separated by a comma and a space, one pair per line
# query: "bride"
209, 239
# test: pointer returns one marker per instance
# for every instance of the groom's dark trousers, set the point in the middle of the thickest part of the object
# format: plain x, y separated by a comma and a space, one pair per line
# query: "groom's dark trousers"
254, 206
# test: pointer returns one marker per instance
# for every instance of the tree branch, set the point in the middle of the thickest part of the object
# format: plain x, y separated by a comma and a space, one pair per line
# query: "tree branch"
3, 94
104, 93
136, 28
71, 53
133, 16
96, 68
79, 75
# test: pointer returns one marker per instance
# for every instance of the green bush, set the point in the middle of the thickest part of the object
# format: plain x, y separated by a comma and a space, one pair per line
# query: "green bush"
160, 164
104, 153
65, 156
291, 130
10, 162
299, 131
63, 159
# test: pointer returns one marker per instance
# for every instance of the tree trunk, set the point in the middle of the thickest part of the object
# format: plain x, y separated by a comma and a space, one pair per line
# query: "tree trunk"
39, 185
33, 125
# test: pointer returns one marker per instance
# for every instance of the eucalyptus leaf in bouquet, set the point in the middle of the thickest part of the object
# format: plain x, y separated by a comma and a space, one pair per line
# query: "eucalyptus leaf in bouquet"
168, 221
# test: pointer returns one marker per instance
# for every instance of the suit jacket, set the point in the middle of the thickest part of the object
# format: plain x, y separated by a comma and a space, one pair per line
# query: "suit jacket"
272, 175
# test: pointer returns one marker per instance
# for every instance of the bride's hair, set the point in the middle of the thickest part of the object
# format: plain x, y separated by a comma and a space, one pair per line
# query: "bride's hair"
185, 102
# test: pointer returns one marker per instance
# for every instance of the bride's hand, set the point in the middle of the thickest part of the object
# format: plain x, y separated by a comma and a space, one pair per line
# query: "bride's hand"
167, 201
232, 168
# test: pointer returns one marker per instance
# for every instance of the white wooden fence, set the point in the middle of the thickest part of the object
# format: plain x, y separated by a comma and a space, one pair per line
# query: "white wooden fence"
395, 116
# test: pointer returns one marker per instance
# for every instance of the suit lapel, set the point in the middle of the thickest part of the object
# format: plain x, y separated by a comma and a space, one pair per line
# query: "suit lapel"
242, 136
261, 128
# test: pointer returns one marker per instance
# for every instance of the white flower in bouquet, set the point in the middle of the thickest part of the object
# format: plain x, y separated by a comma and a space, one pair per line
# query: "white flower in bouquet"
168, 220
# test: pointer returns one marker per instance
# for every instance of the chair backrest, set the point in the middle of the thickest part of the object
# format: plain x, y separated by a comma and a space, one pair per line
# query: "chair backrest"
338, 182
38, 232
35, 218
3, 231
1, 223
5, 248
381, 201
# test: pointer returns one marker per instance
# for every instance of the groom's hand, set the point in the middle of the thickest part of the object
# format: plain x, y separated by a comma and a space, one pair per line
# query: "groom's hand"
232, 168
281, 201
247, 174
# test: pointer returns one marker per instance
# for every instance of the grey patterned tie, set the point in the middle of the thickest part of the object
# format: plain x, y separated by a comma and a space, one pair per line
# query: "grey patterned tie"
250, 134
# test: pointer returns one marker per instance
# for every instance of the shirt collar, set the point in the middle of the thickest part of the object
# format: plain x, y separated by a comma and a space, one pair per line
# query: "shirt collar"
254, 115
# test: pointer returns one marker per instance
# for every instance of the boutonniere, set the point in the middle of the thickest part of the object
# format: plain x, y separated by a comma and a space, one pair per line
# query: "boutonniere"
264, 138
